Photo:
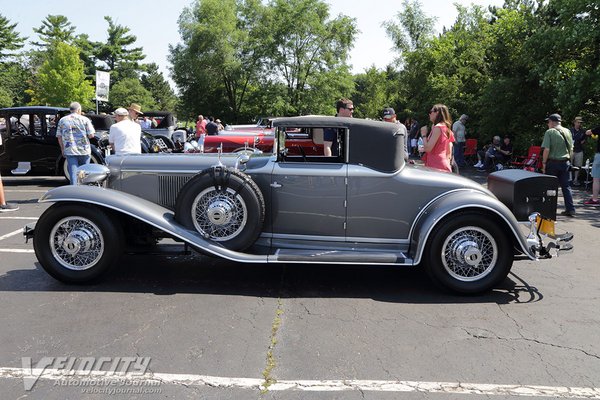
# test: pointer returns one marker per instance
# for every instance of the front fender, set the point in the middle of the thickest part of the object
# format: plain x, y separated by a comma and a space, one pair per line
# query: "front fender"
463, 200
146, 211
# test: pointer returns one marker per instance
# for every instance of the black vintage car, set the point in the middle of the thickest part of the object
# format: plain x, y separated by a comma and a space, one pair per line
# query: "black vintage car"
29, 143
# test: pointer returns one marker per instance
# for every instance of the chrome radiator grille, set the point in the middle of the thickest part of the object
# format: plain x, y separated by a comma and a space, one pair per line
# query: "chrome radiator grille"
168, 188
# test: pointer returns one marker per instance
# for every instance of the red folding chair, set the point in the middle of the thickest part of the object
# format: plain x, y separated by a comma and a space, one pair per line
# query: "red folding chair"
470, 150
532, 162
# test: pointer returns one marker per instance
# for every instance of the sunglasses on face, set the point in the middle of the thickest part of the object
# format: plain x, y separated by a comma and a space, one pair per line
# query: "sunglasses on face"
350, 108
432, 111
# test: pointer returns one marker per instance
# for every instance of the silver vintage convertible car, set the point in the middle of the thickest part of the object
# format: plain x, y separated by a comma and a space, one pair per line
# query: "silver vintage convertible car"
364, 205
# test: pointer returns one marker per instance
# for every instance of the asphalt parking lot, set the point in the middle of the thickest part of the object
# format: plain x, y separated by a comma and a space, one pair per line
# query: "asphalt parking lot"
201, 328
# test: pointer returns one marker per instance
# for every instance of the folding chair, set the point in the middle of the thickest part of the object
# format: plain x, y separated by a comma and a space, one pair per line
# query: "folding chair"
532, 162
470, 150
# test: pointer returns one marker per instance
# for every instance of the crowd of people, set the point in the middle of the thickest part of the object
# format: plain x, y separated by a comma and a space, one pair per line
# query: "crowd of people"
208, 126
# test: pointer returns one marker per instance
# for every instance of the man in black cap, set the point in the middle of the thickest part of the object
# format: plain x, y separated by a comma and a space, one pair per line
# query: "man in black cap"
556, 156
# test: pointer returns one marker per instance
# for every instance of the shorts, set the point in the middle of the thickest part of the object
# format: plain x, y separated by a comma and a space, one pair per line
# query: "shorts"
577, 159
596, 166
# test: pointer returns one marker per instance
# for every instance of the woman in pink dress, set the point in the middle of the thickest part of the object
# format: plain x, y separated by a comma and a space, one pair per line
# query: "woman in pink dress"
438, 144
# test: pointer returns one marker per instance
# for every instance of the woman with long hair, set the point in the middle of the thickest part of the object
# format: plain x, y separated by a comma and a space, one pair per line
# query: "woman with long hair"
438, 144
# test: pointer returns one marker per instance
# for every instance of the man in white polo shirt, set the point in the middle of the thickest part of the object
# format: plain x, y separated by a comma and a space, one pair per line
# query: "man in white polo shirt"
125, 136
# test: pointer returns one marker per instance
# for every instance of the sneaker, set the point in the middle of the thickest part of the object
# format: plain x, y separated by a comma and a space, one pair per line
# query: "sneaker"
592, 202
8, 207
568, 213
576, 183
478, 165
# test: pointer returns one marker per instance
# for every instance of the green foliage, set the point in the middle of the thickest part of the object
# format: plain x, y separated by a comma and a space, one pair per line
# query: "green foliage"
115, 53
14, 78
305, 46
55, 28
161, 92
220, 57
374, 91
10, 40
5, 98
61, 80
128, 91
412, 29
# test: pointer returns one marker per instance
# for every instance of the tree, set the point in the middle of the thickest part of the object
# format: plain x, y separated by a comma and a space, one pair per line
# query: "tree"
413, 28
118, 58
305, 47
10, 40
55, 28
222, 52
130, 90
61, 80
159, 88
14, 78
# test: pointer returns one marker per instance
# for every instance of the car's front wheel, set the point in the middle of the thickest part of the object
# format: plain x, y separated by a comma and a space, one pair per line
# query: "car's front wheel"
468, 253
76, 243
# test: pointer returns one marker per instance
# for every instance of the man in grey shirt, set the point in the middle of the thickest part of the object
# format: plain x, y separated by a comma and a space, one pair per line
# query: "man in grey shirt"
460, 136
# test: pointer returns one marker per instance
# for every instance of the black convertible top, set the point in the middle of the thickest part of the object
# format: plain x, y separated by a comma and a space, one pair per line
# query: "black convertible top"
375, 144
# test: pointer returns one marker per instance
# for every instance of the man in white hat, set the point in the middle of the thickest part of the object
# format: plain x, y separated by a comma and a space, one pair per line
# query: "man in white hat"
135, 110
125, 136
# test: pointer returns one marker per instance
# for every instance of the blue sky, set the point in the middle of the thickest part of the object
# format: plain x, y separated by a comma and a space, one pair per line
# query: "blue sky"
154, 22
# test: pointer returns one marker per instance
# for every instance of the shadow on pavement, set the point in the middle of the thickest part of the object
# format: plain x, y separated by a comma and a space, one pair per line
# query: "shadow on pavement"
204, 275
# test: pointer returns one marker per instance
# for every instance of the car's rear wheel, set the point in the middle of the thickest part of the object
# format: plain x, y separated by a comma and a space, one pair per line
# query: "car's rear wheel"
77, 243
223, 205
468, 253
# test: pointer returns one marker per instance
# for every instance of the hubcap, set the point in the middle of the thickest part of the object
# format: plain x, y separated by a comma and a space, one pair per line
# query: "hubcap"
76, 243
220, 211
469, 253
219, 214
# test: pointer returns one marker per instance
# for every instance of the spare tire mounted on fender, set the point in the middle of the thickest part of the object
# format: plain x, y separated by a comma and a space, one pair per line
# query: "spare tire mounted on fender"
224, 205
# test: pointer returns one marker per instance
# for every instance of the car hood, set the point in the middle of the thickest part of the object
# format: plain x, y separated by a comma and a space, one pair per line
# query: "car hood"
177, 163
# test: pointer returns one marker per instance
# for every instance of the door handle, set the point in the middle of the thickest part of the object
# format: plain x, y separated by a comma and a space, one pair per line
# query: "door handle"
275, 185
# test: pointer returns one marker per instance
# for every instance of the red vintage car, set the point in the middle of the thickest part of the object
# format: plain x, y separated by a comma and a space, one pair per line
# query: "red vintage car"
299, 143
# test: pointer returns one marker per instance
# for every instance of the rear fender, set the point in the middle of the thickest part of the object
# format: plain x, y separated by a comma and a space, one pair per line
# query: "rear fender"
145, 211
463, 200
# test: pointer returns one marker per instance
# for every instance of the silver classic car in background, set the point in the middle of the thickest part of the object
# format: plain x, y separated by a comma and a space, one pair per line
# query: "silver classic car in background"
364, 205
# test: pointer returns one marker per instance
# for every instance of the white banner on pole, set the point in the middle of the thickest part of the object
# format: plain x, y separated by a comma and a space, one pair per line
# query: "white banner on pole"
102, 85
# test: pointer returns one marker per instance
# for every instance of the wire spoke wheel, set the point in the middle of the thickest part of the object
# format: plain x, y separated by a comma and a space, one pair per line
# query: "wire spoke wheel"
76, 243
219, 214
469, 253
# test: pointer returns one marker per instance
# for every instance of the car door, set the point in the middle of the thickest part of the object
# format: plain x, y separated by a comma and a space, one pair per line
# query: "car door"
308, 197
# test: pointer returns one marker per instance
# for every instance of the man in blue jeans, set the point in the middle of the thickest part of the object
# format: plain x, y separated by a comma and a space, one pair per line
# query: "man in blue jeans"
73, 133
556, 158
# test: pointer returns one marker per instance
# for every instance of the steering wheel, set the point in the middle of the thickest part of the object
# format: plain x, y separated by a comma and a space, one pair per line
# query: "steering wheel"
22, 129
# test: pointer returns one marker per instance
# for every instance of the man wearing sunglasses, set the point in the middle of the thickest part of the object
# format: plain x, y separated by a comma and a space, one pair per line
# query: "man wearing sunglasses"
344, 108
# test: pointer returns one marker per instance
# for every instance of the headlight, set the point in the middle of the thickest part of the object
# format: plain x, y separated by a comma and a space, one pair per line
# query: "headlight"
92, 174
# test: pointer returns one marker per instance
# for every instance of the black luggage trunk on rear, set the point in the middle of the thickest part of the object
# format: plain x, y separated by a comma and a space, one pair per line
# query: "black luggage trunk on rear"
525, 192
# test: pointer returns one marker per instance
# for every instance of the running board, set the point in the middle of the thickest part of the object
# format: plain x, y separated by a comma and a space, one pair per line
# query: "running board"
23, 167
341, 257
